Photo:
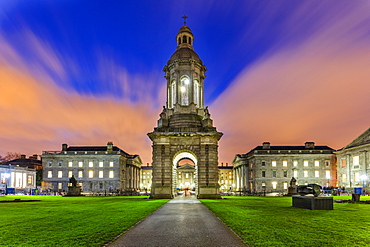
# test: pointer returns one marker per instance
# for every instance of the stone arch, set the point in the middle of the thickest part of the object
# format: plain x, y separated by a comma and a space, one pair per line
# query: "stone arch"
184, 154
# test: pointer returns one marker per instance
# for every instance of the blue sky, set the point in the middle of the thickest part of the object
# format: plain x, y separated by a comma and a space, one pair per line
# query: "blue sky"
111, 53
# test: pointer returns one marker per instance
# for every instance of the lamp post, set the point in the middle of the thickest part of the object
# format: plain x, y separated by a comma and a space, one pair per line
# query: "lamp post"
6, 176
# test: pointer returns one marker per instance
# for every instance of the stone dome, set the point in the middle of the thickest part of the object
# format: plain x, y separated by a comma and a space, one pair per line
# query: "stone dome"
185, 54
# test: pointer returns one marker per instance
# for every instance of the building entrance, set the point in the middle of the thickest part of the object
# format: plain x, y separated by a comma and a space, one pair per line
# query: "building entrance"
185, 175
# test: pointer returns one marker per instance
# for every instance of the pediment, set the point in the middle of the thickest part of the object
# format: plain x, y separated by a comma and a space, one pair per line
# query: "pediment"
363, 139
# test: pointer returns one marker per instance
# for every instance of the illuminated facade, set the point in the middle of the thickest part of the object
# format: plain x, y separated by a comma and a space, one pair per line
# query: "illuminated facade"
270, 168
97, 169
354, 162
17, 179
185, 129
226, 177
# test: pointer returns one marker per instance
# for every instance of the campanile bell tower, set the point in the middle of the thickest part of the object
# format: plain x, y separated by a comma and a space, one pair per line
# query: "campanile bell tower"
185, 129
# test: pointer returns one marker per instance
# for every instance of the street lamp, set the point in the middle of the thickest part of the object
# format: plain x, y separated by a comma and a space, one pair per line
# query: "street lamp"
6, 176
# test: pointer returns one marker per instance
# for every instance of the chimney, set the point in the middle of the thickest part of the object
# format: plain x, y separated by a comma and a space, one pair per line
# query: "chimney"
23, 156
227, 164
310, 145
33, 157
64, 147
110, 146
266, 145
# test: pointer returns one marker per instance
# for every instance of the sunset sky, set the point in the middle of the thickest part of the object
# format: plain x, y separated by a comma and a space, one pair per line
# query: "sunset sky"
89, 72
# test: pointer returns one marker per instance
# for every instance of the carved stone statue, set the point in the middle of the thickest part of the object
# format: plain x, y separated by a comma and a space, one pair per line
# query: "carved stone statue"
293, 182
73, 181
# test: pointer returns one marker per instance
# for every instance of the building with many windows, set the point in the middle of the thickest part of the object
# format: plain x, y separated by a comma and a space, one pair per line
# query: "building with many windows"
97, 169
354, 162
270, 168
225, 177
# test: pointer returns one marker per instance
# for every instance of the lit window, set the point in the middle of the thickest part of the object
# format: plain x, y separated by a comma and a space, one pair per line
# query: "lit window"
226, 181
317, 174
305, 174
91, 173
69, 174
357, 176
91, 164
274, 185
186, 175
327, 174
356, 160
295, 163
70, 164
100, 174
305, 163
100, 163
317, 163
60, 174
179, 176
80, 164
30, 179
285, 185
344, 178
80, 174
263, 185
274, 163
111, 174
295, 174
60, 186
222, 181
50, 174
111, 164
344, 162
285, 163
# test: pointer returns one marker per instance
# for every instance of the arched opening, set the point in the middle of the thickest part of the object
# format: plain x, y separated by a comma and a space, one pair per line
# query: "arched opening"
185, 175
184, 39
179, 41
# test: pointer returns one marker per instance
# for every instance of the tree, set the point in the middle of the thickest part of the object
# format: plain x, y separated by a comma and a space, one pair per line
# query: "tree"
9, 156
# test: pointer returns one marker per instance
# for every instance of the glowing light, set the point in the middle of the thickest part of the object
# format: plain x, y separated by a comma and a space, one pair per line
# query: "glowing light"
183, 89
186, 81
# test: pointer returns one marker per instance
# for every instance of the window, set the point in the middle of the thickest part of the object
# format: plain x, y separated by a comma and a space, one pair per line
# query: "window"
327, 163
263, 163
59, 163
30, 179
69, 174
70, 163
263, 174
285, 163
274, 174
251, 174
273, 163
317, 163
295, 163
186, 175
80, 164
285, 185
60, 174
317, 174
50, 174
305, 174
356, 160
60, 186
305, 163
111, 174
91, 164
344, 178
49, 163
100, 163
263, 185
285, 174
111, 164
357, 176
344, 162
274, 185
80, 174
295, 173
327, 174
91, 173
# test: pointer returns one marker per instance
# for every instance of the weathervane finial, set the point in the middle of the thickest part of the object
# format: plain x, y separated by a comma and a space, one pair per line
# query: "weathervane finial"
184, 17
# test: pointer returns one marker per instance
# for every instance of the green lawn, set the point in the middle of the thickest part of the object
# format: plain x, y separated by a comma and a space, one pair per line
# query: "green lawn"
272, 221
70, 221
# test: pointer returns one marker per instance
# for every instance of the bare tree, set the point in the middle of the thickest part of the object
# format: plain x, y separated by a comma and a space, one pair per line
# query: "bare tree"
9, 156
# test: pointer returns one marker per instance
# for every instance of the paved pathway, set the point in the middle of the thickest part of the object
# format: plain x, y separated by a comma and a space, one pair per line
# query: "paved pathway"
183, 221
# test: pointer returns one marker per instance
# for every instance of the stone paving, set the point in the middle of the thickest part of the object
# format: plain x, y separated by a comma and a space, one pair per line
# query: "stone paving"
183, 221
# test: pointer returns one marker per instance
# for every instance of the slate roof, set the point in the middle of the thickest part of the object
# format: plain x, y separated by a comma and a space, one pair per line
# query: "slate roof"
292, 148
